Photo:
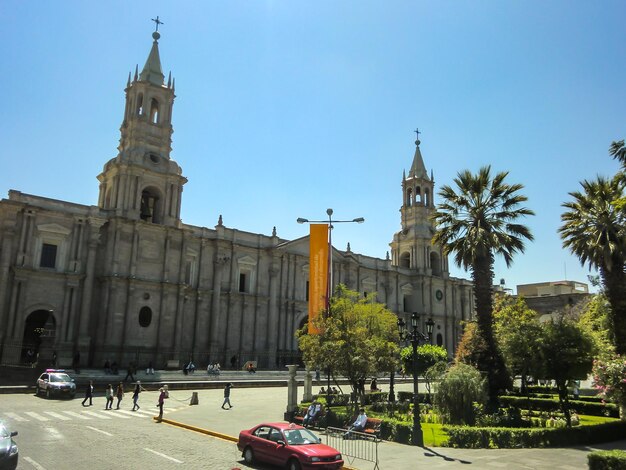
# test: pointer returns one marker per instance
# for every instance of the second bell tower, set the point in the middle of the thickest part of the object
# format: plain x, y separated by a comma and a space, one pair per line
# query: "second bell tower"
411, 246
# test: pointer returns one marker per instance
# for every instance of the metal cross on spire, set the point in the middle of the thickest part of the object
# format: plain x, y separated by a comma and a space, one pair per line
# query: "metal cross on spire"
158, 22
417, 131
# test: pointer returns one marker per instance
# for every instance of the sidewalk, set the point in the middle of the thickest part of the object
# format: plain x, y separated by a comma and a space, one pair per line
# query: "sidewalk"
254, 405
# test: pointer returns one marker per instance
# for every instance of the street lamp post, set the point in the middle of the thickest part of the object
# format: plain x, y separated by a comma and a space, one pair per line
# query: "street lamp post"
329, 285
414, 336
330, 221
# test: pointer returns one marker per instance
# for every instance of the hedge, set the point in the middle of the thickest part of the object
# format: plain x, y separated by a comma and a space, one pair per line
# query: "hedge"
607, 460
552, 404
492, 438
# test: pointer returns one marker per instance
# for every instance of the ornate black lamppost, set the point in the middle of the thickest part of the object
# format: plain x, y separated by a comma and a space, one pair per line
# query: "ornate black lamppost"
414, 336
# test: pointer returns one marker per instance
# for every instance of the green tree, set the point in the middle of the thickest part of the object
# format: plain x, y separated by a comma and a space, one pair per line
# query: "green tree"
478, 221
594, 229
457, 392
471, 347
595, 320
518, 333
358, 339
566, 354
427, 356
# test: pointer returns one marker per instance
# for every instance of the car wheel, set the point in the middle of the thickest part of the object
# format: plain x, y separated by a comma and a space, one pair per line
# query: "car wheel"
293, 464
48, 394
248, 455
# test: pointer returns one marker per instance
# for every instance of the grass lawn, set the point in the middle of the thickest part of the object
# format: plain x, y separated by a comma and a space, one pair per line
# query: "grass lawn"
434, 435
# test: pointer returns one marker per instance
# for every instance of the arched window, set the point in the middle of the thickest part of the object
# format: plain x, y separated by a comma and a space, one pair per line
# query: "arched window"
418, 195
139, 107
150, 207
439, 339
145, 317
435, 264
405, 260
409, 197
154, 111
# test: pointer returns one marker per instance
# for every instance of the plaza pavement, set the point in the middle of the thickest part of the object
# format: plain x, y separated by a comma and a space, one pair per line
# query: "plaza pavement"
254, 405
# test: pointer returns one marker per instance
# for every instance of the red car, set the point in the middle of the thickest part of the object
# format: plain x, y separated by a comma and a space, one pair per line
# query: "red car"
288, 445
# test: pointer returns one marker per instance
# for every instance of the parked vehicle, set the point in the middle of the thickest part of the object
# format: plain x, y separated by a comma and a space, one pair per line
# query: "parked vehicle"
287, 445
56, 382
8, 449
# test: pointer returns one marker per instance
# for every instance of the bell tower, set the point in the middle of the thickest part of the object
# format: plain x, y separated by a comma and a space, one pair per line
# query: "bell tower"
411, 246
143, 182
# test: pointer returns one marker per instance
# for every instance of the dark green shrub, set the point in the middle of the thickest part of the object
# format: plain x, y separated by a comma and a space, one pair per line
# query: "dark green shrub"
395, 430
408, 396
552, 404
374, 397
607, 460
476, 438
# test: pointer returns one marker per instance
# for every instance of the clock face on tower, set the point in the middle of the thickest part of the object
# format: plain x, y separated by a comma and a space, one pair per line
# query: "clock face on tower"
438, 294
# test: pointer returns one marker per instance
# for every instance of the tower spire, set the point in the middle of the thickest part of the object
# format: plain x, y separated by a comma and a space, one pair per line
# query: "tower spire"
418, 169
152, 71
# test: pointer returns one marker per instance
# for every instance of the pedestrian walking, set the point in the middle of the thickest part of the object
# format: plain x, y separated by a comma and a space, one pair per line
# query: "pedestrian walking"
136, 393
130, 372
150, 369
119, 394
109, 397
88, 393
227, 395
54, 359
162, 396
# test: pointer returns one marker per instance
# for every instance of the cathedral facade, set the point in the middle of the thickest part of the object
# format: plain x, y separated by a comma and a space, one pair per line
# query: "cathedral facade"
126, 280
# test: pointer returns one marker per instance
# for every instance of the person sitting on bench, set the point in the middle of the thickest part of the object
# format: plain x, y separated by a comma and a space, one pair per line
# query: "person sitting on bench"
311, 413
359, 423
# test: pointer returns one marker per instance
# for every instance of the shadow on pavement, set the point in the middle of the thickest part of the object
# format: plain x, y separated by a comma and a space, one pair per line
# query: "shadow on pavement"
428, 452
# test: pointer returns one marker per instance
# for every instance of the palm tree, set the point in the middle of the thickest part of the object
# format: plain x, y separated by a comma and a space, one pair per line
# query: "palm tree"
478, 221
594, 229
618, 151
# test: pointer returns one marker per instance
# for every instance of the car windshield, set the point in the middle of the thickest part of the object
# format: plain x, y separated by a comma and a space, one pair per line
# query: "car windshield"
296, 437
3, 431
60, 378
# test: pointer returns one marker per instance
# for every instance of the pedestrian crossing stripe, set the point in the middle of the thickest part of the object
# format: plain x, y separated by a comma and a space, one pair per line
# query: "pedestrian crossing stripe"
37, 416
68, 415
57, 415
15, 417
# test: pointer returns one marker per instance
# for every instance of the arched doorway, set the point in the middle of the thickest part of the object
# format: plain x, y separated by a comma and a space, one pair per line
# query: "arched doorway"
39, 332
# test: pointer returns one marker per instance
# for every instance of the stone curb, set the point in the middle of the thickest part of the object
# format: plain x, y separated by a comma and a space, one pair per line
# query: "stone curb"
208, 432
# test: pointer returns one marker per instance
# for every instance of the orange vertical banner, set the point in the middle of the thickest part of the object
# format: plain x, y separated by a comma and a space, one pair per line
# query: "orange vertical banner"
318, 272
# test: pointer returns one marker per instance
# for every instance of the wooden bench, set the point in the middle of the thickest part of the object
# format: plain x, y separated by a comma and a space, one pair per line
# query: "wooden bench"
301, 413
372, 426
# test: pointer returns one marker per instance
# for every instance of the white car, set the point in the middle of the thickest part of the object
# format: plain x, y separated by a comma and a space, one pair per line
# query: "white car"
56, 382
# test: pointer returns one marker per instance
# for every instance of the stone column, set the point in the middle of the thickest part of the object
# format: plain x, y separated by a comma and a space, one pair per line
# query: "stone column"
5, 260
292, 393
308, 386
272, 320
215, 303
85, 308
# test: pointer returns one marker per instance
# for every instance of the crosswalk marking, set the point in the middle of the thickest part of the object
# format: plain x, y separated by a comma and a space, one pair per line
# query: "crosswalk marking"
129, 413
76, 415
37, 416
96, 415
68, 415
57, 415
16, 417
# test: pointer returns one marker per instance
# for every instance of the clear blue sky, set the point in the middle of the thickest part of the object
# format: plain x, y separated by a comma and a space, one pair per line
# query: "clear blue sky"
287, 108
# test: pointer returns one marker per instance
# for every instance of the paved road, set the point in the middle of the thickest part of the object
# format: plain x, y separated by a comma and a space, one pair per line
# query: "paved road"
61, 434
